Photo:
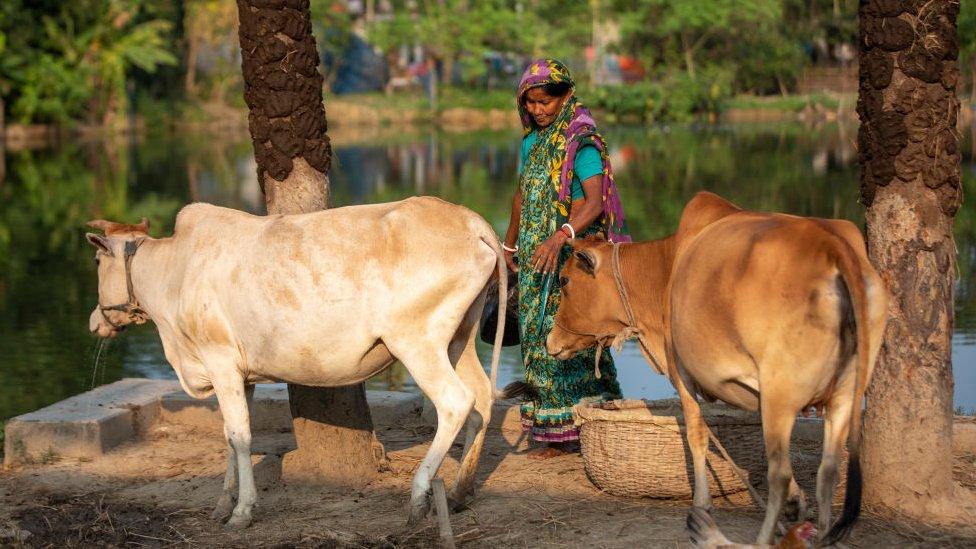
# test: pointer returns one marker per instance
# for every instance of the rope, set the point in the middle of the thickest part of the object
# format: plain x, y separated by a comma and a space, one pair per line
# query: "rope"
741, 473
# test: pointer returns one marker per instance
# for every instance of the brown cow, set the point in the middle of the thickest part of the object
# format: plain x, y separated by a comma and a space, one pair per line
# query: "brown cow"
764, 311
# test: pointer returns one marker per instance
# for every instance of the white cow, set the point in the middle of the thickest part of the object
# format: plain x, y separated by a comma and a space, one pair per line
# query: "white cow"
323, 299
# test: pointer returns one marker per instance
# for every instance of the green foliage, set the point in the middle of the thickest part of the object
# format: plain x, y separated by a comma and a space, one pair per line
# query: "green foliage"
676, 97
88, 59
967, 44
73, 60
49, 90
792, 103
454, 30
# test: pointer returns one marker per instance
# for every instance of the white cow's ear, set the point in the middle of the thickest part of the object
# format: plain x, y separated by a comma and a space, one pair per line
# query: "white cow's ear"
587, 261
99, 242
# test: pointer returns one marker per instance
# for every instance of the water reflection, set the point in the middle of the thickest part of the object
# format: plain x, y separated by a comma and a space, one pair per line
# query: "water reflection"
47, 279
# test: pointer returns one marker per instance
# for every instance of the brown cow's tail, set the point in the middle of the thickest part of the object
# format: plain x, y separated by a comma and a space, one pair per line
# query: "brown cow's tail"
853, 277
492, 241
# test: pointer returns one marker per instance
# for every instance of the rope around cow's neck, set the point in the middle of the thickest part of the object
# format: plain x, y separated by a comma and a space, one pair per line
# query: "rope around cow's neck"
131, 307
630, 329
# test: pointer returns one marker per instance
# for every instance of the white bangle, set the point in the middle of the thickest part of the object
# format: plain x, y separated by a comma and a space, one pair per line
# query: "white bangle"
507, 249
572, 231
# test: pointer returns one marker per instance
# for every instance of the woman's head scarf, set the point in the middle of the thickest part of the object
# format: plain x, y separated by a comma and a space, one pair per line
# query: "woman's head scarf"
576, 125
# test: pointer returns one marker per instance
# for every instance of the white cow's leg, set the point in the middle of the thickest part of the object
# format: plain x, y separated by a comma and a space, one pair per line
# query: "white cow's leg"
228, 497
473, 376
777, 427
453, 401
237, 430
837, 418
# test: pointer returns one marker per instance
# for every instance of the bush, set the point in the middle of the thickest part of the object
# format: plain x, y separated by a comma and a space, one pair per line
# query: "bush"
676, 97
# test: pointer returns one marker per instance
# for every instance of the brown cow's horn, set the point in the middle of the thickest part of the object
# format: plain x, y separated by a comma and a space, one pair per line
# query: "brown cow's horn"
100, 224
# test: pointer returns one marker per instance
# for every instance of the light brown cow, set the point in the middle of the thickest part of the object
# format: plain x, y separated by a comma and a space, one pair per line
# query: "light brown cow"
764, 311
323, 299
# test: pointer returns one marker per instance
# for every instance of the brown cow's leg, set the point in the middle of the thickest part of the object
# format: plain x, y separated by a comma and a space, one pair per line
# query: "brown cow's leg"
777, 427
836, 425
697, 435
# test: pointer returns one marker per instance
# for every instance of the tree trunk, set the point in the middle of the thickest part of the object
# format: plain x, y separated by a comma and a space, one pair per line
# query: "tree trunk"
910, 181
3, 144
190, 80
283, 90
689, 52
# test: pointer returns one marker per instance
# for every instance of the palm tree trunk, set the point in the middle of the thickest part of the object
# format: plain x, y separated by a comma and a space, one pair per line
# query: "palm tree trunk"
910, 181
283, 90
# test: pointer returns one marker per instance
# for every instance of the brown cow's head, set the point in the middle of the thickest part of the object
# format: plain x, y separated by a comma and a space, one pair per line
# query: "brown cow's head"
117, 307
590, 307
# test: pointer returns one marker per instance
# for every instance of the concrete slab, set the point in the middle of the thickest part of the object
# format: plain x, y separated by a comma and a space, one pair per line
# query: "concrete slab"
964, 435
270, 410
92, 423
88, 424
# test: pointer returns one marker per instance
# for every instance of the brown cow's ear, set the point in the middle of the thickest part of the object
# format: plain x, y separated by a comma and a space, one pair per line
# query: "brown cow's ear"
587, 262
144, 225
99, 242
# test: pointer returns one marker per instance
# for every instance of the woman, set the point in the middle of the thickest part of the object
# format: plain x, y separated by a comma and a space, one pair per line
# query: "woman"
565, 191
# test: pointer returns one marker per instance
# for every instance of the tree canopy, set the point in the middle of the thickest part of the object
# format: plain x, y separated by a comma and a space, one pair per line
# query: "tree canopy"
94, 60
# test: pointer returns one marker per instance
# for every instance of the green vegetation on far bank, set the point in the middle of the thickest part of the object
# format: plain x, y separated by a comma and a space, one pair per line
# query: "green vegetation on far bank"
96, 62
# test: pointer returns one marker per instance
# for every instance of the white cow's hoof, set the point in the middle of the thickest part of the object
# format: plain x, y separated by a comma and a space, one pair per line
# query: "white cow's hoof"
708, 507
238, 522
225, 505
418, 512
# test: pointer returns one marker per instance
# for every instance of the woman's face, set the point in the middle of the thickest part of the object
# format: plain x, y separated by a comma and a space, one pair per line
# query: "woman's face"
543, 107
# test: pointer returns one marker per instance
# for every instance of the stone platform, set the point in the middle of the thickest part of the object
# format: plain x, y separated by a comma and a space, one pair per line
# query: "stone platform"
92, 423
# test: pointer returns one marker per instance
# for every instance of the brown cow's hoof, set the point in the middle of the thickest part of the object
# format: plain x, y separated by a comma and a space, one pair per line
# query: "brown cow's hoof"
795, 509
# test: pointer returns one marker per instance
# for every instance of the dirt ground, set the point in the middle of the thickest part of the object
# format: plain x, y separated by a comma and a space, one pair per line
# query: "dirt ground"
160, 491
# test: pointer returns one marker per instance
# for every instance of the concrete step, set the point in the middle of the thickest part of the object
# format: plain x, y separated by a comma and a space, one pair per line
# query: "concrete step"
92, 423
270, 411
88, 424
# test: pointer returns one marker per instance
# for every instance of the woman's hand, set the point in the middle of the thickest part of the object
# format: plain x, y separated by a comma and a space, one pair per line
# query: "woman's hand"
510, 260
546, 256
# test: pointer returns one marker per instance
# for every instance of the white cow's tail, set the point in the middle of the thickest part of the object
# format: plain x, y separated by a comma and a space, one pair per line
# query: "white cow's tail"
492, 241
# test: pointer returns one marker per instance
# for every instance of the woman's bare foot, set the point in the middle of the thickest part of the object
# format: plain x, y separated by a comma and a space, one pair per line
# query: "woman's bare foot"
553, 449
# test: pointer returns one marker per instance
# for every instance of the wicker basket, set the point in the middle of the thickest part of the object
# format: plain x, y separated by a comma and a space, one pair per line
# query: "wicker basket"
637, 448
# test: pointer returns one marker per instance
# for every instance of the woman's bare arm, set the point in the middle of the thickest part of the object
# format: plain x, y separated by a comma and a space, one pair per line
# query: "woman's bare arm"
511, 236
584, 212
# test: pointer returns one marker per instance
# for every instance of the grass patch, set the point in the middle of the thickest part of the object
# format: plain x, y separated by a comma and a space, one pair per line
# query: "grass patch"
792, 103
416, 99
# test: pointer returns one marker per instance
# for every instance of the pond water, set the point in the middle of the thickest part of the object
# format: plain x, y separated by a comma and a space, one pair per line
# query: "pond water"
47, 277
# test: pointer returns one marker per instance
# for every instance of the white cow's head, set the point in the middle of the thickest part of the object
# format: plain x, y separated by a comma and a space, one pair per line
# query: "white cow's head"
117, 306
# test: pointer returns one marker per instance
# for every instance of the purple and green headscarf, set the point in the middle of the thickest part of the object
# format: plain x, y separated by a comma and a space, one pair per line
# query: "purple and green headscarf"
576, 125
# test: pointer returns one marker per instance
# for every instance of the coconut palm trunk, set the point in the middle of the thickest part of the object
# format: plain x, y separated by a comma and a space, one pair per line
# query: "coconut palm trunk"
283, 90
910, 182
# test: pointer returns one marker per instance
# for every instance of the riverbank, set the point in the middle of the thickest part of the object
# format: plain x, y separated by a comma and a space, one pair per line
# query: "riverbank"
456, 113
